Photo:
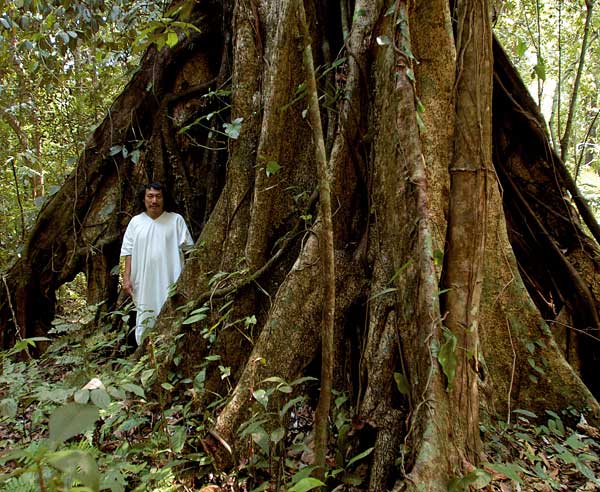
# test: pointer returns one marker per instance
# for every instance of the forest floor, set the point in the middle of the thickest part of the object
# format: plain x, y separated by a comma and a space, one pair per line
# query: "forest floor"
89, 412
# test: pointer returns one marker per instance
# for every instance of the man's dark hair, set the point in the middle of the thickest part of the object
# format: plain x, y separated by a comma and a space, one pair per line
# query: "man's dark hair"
169, 206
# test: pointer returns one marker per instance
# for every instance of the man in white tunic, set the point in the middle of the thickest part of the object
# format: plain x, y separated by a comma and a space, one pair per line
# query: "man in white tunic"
153, 249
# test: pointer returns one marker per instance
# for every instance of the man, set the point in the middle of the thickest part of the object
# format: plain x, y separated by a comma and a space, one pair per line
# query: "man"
153, 249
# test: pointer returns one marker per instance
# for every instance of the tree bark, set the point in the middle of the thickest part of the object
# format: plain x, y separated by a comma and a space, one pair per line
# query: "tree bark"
467, 218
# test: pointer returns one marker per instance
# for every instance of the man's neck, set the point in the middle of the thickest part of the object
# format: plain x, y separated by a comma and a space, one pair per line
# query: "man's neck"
154, 215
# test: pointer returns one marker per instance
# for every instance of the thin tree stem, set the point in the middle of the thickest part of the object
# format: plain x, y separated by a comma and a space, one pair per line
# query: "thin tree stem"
327, 258
19, 201
564, 144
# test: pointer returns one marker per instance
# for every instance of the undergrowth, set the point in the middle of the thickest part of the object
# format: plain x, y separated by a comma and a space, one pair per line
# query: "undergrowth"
91, 415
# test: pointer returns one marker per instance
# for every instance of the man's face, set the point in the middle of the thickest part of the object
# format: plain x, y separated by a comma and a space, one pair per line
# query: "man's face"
154, 202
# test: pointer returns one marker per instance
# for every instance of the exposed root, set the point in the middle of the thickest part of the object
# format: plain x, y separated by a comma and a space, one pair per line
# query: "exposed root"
290, 337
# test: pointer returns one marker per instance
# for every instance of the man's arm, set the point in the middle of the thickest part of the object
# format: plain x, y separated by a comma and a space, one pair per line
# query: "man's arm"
127, 285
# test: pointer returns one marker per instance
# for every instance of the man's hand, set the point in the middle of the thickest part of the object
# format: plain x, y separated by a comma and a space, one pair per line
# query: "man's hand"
127, 285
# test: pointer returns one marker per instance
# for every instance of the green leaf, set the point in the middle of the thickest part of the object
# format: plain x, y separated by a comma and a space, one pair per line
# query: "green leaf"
284, 410
540, 69
399, 271
387, 290
64, 37
131, 423
233, 129
402, 383
511, 470
383, 40
194, 319
303, 473
225, 371
420, 123
274, 379
178, 438
359, 457
574, 442
134, 388
100, 398
82, 396
116, 149
477, 479
116, 393
202, 309
272, 168
8, 407
587, 472
277, 435
527, 413
135, 156
80, 465
359, 13
438, 257
262, 439
114, 480
305, 484
172, 39
146, 377
447, 357
260, 395
521, 47
302, 380
70, 420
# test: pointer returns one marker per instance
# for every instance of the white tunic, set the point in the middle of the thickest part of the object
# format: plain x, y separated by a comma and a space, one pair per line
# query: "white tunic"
155, 247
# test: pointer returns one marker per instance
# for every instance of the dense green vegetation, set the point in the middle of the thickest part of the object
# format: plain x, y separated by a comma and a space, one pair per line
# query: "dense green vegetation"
89, 413
62, 65
545, 41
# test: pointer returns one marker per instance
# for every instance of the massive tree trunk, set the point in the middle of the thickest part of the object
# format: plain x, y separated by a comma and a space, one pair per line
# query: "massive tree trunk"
396, 132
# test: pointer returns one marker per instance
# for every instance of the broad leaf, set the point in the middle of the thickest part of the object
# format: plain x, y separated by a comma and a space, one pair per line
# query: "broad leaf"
511, 470
178, 438
100, 398
305, 484
272, 168
134, 388
233, 129
359, 457
447, 357
260, 395
194, 318
79, 465
8, 407
70, 420
402, 383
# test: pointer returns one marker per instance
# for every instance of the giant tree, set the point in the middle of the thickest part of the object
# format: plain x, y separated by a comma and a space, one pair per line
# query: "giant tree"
437, 157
